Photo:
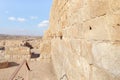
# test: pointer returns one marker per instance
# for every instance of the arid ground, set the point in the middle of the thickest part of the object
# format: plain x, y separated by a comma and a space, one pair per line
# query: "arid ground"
15, 49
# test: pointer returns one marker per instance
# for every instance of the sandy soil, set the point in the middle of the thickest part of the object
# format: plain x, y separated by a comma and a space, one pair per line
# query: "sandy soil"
7, 72
40, 70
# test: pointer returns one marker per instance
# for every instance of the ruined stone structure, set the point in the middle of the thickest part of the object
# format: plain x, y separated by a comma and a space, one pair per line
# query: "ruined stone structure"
84, 39
12, 49
17, 53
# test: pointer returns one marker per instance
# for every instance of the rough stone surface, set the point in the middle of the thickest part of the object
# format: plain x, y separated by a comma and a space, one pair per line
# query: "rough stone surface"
45, 49
35, 43
84, 39
19, 49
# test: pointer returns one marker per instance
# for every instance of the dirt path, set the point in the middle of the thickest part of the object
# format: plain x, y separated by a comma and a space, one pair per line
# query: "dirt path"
40, 70
6, 73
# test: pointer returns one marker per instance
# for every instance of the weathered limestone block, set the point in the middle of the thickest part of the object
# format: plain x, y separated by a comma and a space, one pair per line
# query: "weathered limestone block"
73, 32
113, 26
107, 56
102, 28
45, 47
96, 29
82, 10
101, 74
98, 7
77, 63
71, 62
114, 5
87, 9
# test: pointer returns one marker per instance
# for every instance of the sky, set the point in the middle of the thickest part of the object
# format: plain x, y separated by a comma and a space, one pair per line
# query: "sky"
24, 17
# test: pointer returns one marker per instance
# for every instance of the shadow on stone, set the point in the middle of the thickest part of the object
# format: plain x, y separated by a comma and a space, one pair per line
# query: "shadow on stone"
12, 64
28, 45
64, 77
3, 64
35, 55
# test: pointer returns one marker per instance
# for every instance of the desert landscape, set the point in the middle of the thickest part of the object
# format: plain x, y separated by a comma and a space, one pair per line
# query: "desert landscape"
15, 49
81, 43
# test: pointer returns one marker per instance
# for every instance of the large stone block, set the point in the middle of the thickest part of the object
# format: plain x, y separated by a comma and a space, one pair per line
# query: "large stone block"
86, 9
101, 74
102, 28
71, 66
114, 5
113, 26
98, 7
107, 56
73, 32
96, 29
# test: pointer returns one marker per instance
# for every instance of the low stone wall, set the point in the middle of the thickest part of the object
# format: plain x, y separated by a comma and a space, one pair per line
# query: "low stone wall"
13, 43
17, 50
17, 57
17, 53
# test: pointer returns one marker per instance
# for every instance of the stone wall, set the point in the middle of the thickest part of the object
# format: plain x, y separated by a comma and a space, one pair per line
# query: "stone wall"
85, 39
17, 53
13, 43
19, 49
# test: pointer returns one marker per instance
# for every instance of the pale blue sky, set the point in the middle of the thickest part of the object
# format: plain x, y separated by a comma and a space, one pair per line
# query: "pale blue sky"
24, 17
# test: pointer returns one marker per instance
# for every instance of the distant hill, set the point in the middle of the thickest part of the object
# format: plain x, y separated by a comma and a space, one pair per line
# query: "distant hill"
5, 36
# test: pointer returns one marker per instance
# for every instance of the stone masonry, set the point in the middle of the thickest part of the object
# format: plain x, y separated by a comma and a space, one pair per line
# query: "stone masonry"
84, 38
